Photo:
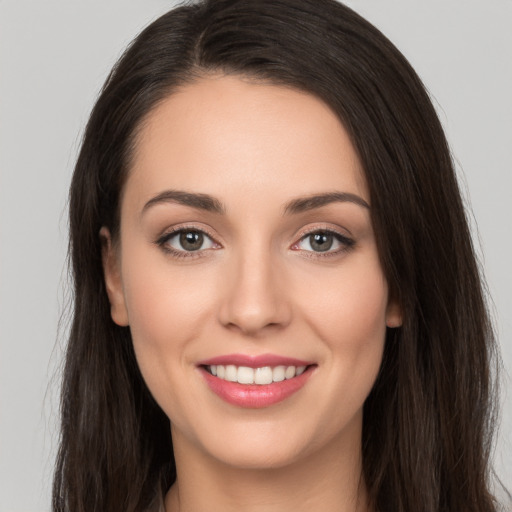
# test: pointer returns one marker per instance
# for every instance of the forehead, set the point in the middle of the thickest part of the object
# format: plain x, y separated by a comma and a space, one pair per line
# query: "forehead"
226, 133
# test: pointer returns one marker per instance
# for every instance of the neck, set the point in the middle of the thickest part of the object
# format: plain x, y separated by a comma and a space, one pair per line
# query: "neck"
329, 480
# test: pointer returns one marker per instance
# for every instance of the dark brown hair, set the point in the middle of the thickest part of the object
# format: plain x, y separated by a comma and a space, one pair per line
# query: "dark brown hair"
428, 420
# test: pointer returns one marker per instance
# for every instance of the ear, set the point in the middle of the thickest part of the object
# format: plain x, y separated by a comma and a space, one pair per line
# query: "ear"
113, 281
394, 313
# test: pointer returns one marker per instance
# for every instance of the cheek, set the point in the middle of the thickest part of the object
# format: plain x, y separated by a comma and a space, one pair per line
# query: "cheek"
167, 310
348, 306
349, 317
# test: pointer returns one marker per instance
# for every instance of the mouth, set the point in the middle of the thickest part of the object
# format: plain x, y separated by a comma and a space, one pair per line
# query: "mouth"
255, 382
260, 376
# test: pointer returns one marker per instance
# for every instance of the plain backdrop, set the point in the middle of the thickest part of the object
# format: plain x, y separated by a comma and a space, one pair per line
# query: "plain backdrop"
55, 55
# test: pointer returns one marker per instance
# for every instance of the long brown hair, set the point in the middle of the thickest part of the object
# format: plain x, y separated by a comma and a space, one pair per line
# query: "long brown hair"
428, 421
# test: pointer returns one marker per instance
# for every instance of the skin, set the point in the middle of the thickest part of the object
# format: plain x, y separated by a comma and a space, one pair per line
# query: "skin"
256, 286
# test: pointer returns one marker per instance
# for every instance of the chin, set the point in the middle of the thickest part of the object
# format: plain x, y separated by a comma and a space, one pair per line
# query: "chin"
253, 457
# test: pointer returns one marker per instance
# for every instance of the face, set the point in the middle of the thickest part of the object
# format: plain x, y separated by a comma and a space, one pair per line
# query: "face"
246, 250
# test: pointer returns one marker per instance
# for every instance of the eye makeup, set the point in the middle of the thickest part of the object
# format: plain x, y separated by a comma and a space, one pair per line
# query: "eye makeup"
195, 242
323, 243
192, 240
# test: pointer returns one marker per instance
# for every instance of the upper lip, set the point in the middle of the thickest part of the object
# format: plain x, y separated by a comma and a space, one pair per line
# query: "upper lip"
254, 361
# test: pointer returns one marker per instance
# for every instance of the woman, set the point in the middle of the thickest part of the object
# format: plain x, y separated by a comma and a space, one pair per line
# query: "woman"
277, 304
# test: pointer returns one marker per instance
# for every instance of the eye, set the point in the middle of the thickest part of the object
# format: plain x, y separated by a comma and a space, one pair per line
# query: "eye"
186, 241
324, 241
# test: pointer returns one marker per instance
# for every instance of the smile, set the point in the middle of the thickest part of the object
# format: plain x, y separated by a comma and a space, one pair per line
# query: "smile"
261, 376
255, 381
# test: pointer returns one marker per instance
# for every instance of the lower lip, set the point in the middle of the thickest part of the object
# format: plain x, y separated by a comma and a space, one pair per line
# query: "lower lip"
255, 396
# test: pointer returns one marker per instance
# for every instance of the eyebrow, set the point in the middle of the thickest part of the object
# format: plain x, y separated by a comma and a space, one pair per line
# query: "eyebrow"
194, 200
303, 204
212, 204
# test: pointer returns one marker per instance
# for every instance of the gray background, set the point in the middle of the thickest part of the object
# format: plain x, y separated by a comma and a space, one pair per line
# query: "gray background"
54, 56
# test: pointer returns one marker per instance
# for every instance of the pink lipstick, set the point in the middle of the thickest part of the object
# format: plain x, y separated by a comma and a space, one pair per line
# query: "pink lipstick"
255, 381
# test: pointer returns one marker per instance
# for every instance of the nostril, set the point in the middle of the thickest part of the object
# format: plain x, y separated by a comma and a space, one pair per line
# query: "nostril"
254, 298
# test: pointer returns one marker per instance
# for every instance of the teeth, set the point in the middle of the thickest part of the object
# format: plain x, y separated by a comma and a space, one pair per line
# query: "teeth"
263, 375
245, 375
290, 372
230, 373
278, 373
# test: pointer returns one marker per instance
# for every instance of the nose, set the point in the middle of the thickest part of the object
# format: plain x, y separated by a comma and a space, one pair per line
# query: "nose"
255, 299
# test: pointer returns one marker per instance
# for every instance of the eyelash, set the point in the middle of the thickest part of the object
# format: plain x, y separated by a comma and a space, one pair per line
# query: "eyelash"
347, 243
162, 242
